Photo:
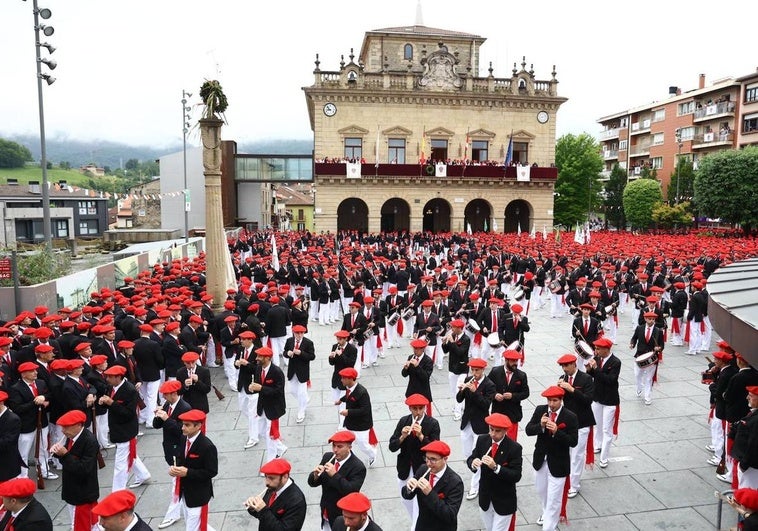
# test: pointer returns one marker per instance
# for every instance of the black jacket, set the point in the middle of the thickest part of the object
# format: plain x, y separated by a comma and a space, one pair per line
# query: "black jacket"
287, 513
411, 457
271, 400
149, 357
555, 447
498, 486
172, 428
122, 414
196, 394
349, 478
419, 376
346, 358
10, 459
299, 366
477, 404
80, 484
34, 517
202, 464
518, 387
606, 381
438, 510
358, 406
580, 401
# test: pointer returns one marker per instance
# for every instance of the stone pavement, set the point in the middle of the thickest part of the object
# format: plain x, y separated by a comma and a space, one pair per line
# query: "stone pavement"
657, 478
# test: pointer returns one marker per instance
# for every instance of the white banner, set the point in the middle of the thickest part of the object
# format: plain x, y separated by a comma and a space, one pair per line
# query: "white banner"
523, 173
440, 170
353, 170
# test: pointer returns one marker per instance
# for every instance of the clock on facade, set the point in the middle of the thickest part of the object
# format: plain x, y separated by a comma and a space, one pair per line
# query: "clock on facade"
330, 109
543, 117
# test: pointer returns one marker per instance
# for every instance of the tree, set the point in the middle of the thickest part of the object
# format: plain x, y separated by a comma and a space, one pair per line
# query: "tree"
614, 197
577, 188
131, 164
725, 187
685, 174
640, 197
649, 173
64, 165
13, 155
668, 216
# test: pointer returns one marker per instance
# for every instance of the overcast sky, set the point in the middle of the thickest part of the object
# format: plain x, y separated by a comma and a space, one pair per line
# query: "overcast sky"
122, 65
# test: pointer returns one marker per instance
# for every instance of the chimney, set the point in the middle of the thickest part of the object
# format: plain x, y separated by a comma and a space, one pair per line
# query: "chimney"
701, 82
12, 181
673, 91
34, 187
63, 185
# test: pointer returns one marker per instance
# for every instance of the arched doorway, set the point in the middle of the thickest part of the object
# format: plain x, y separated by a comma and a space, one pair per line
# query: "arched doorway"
396, 215
437, 216
352, 214
478, 216
518, 213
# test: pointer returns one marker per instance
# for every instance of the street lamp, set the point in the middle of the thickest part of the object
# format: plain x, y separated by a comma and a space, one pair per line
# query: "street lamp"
678, 134
185, 130
47, 31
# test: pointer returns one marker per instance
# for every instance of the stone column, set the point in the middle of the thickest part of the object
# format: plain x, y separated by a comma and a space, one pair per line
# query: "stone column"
217, 258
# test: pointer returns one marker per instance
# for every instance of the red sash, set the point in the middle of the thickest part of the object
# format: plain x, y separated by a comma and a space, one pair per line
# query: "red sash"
616, 416
590, 457
83, 517
132, 454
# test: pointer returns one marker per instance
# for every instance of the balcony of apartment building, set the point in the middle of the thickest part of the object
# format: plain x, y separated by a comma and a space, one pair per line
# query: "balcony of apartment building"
605, 175
609, 134
610, 154
640, 150
641, 126
711, 139
713, 111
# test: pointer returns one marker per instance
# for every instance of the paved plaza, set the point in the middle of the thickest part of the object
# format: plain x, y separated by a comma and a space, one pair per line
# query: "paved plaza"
657, 478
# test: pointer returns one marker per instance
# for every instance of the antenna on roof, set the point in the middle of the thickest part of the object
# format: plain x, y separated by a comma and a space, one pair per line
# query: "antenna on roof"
419, 16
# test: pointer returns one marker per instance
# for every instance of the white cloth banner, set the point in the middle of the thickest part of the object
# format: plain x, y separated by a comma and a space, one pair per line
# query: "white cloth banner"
440, 170
353, 170
523, 173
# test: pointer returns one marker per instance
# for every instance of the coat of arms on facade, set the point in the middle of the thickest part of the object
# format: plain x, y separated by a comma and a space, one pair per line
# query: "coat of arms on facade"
439, 71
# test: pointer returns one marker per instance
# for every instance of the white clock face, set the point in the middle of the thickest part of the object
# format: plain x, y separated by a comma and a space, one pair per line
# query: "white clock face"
330, 109
543, 117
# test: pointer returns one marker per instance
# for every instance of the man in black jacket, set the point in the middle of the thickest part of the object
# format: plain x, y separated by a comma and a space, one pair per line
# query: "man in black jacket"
358, 416
268, 383
10, 429
556, 430
500, 459
149, 357
604, 369
283, 506
339, 473
456, 345
579, 389
247, 401
511, 388
23, 511
342, 356
648, 341
418, 369
300, 352
726, 367
411, 433
78, 455
355, 507
116, 512
196, 382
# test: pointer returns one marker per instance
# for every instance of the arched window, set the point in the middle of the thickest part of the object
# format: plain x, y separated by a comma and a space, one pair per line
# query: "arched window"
408, 52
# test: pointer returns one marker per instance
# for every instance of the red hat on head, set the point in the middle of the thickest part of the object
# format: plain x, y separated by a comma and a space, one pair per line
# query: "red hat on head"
173, 325
416, 399
517, 308
477, 363
553, 392
650, 315
97, 359
3, 394
5, 341
196, 319
427, 304
274, 299
355, 502
264, 352
603, 342
457, 323
512, 355
437, 447
27, 366
342, 333
82, 346
586, 306
474, 296
723, 355
348, 372
276, 467
355, 304
299, 329
567, 359
43, 348
193, 415
43, 332
115, 503
418, 343
39, 310
342, 436
116, 370
368, 300
247, 335
752, 389
190, 357
230, 318
498, 420
170, 386
59, 365
18, 488
72, 417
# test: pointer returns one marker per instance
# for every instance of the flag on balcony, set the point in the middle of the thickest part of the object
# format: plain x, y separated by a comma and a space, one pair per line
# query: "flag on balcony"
466, 148
353, 170
509, 151
523, 173
440, 169
422, 157
468, 228
376, 154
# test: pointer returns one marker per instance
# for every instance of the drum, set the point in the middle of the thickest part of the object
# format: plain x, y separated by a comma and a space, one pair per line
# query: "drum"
706, 377
493, 340
584, 350
516, 345
554, 286
393, 318
472, 326
368, 333
407, 314
610, 309
646, 359
518, 293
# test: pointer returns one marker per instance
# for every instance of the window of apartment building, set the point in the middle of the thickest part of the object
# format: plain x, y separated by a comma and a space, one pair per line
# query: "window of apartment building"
61, 228
657, 139
521, 152
751, 93
624, 122
480, 150
623, 145
353, 148
686, 133
408, 52
300, 214
88, 226
659, 115
622, 164
687, 107
439, 150
396, 150
87, 208
301, 226
750, 123
656, 162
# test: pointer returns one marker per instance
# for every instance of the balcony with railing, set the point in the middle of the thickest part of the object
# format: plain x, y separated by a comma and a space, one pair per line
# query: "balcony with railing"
712, 139
610, 154
605, 175
429, 171
639, 150
643, 126
609, 134
714, 111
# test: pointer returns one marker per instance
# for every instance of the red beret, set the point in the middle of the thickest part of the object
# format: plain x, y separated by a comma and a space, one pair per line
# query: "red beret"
418, 343
125, 343
650, 315
170, 386
82, 346
39, 310
116, 370
43, 332
299, 329
603, 342
723, 355
3, 395
752, 389
416, 400
437, 447
115, 502
145, 328
342, 436
349, 372
512, 354
264, 352
517, 308
494, 300
230, 318
427, 303
5, 341
276, 467
190, 357
457, 323
355, 304
247, 335
477, 363
28, 366
553, 392
72, 417
342, 333
59, 365
97, 359
173, 325
193, 415
196, 319
18, 488
274, 299
474, 296
498, 420
586, 306
355, 502
43, 347
567, 359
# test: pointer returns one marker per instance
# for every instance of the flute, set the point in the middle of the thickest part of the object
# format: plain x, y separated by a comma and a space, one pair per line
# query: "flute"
332, 460
263, 492
426, 474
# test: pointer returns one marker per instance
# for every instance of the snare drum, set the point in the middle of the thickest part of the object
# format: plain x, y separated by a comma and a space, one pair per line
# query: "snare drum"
646, 359
407, 314
517, 293
493, 339
516, 345
393, 318
584, 350
472, 326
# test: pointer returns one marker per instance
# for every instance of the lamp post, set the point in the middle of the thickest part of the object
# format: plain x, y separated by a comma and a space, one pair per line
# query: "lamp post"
185, 130
51, 64
678, 134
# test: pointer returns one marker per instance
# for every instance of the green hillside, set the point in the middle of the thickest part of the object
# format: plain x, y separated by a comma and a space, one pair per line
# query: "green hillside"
72, 177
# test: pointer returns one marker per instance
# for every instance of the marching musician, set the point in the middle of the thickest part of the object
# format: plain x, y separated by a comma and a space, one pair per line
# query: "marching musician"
357, 413
605, 369
300, 352
371, 344
116, 513
456, 345
418, 369
355, 507
394, 305
679, 301
342, 356
268, 384
609, 298
230, 343
585, 327
196, 381
511, 388
426, 327
411, 433
513, 328
490, 320
23, 512
648, 340
723, 370
354, 322
282, 506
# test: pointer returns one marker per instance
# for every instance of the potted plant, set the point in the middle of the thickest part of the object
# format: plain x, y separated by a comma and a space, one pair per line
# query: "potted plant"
214, 100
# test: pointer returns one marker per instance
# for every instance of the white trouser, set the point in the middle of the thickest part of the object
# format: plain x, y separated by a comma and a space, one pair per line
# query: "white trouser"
495, 522
248, 405
336, 395
696, 337
277, 347
300, 392
192, 517
72, 515
149, 393
430, 352
345, 302
550, 491
411, 506
408, 326
604, 418
174, 510
474, 351
468, 439
26, 448
393, 339
361, 442
231, 372
323, 313
644, 378
557, 306
717, 436
370, 350
747, 479
676, 338
274, 447
210, 354
102, 430
334, 310
56, 434
705, 342
611, 328
313, 310
454, 381
635, 315
579, 458
121, 470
